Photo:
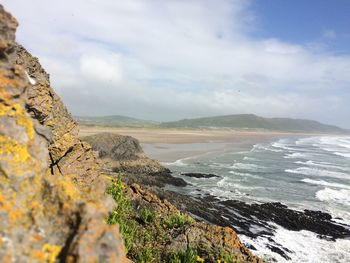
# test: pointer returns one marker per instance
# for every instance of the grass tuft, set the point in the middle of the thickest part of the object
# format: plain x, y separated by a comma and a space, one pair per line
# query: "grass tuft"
177, 220
147, 216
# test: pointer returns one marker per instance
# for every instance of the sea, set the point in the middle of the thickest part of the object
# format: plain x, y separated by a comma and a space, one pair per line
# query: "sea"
301, 172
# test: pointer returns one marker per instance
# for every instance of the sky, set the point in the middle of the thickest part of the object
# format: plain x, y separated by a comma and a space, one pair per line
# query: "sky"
172, 59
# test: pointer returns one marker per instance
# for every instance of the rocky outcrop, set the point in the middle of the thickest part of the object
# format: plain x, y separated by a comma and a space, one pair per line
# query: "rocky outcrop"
124, 154
116, 147
210, 238
52, 201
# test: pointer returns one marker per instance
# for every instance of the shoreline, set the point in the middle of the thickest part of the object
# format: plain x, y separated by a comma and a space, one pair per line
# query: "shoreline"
189, 136
171, 145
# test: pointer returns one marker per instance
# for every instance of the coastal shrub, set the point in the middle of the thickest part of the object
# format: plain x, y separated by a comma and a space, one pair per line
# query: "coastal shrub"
187, 256
177, 220
144, 255
147, 216
226, 257
120, 213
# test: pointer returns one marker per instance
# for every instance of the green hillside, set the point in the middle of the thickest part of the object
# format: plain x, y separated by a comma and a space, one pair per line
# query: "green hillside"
115, 121
250, 121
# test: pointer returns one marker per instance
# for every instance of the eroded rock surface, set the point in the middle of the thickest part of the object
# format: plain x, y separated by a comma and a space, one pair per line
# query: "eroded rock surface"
52, 201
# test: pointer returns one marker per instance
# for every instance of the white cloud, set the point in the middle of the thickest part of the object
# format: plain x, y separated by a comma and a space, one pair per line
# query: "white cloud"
331, 34
172, 59
99, 68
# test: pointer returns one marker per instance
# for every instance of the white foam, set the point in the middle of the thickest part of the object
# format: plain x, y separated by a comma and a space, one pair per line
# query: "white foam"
325, 183
296, 155
176, 163
226, 184
322, 164
347, 155
305, 247
282, 145
341, 196
246, 175
247, 166
259, 147
246, 158
317, 172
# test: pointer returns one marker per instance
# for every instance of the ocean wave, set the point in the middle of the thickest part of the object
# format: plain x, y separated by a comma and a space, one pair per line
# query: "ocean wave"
247, 158
262, 147
346, 155
247, 166
246, 175
341, 196
307, 247
282, 145
176, 163
296, 155
325, 183
226, 184
322, 164
225, 194
303, 246
317, 172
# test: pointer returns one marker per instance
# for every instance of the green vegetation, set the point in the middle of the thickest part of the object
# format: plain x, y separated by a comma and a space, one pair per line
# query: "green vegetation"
144, 255
122, 209
147, 216
225, 257
187, 256
115, 121
177, 220
250, 121
146, 234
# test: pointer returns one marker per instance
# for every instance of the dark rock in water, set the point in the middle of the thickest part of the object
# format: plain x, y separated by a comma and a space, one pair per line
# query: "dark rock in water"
254, 220
199, 175
314, 221
278, 251
158, 179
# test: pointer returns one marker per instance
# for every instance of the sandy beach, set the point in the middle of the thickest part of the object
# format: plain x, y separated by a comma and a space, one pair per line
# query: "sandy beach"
169, 145
182, 136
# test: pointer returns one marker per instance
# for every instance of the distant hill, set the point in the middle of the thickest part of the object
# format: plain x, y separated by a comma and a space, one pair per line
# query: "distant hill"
251, 121
115, 121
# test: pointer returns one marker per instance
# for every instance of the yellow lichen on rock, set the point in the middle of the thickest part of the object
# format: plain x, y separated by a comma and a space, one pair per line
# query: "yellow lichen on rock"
16, 111
16, 155
51, 252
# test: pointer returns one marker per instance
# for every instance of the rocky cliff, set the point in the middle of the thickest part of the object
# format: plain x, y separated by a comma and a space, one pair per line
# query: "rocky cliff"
52, 201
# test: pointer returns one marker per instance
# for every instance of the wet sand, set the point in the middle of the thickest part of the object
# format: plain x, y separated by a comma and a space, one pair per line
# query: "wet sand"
169, 145
182, 136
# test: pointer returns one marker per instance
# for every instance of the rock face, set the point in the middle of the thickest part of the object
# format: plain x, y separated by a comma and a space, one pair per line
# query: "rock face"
123, 153
52, 201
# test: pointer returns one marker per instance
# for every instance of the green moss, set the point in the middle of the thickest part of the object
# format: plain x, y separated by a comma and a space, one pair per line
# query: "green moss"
177, 220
